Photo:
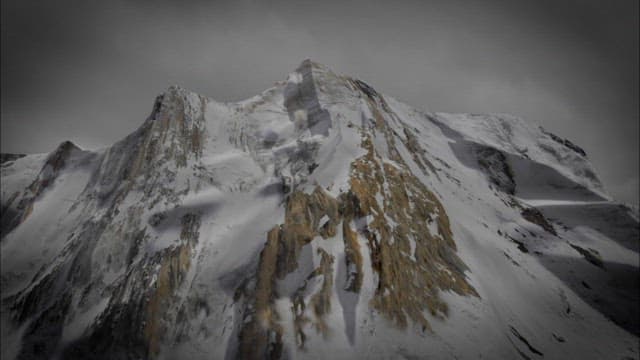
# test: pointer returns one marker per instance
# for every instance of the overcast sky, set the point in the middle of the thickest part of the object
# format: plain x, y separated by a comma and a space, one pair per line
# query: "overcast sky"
88, 70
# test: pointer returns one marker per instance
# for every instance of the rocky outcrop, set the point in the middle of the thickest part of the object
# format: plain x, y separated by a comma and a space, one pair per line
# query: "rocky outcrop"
418, 153
142, 296
144, 304
565, 142
174, 266
409, 237
55, 162
319, 212
353, 257
279, 257
494, 164
406, 229
260, 337
590, 255
534, 215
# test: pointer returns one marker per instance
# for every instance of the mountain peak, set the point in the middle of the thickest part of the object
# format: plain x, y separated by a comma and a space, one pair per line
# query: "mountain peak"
318, 219
313, 64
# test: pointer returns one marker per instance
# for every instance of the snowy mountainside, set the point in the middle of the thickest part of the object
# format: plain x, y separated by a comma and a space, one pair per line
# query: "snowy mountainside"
318, 219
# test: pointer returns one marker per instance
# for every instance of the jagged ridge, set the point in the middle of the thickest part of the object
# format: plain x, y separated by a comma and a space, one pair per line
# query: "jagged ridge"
319, 207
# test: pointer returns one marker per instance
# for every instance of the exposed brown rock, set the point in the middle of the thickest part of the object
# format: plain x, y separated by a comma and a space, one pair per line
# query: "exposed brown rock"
413, 262
143, 305
408, 283
260, 324
302, 219
321, 301
279, 257
353, 257
174, 266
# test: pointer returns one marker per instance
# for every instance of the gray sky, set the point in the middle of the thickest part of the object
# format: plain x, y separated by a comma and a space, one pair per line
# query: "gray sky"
89, 70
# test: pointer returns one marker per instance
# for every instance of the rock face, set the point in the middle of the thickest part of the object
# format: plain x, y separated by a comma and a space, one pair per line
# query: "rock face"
318, 219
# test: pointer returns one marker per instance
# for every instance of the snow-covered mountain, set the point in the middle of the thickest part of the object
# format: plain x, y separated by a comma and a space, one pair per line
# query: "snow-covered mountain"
319, 219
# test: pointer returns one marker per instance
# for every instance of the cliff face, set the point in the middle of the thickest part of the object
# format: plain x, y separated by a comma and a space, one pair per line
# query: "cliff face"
318, 219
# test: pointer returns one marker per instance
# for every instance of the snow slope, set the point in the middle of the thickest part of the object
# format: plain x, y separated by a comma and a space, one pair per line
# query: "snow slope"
318, 219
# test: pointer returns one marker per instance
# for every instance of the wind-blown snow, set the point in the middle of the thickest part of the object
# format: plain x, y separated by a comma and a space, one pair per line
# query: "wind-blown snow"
532, 285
